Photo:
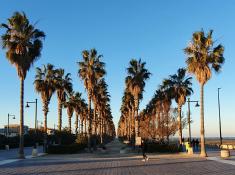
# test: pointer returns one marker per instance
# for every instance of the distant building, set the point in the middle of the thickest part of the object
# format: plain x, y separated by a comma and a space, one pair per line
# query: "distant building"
14, 130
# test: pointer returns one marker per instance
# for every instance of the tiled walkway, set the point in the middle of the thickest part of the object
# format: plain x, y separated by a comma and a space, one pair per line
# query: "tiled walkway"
116, 164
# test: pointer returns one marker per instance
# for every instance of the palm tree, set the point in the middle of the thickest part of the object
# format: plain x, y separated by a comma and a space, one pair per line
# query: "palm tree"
202, 58
70, 105
181, 86
159, 98
135, 82
83, 116
167, 96
91, 69
45, 85
24, 44
128, 108
78, 105
102, 100
63, 86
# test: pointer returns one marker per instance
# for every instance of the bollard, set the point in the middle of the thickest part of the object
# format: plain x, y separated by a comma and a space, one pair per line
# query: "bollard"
34, 152
225, 153
7, 147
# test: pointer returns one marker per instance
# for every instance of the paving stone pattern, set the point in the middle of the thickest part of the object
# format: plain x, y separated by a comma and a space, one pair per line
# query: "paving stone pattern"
116, 165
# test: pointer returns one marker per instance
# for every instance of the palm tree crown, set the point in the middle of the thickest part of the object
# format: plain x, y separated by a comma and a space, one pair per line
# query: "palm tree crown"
23, 43
137, 75
203, 57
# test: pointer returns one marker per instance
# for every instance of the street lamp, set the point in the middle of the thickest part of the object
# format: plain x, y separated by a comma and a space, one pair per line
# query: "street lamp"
220, 133
34, 153
36, 109
189, 119
8, 119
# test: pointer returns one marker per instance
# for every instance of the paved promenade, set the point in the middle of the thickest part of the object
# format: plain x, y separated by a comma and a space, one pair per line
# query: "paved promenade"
113, 163
12, 153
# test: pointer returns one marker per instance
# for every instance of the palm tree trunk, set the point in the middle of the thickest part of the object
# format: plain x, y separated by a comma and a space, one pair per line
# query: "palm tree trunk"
21, 146
136, 117
179, 124
167, 127
129, 127
101, 131
76, 124
59, 114
69, 120
45, 110
82, 127
133, 125
85, 122
94, 120
79, 126
203, 148
89, 121
159, 123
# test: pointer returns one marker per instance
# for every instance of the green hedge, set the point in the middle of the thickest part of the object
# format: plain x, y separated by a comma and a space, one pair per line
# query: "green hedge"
65, 149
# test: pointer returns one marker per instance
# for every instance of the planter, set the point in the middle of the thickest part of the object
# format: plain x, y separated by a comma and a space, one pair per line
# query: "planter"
34, 152
225, 153
7, 147
190, 151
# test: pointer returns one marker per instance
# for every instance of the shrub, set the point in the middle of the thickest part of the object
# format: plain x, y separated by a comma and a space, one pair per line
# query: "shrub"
62, 137
163, 148
81, 139
65, 149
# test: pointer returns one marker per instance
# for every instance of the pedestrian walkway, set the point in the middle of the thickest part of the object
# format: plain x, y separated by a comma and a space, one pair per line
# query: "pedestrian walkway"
10, 156
114, 164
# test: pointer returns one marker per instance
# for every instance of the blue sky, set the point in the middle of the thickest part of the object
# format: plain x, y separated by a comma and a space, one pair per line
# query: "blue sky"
155, 31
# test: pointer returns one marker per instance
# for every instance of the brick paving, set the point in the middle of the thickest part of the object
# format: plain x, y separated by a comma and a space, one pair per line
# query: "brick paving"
96, 164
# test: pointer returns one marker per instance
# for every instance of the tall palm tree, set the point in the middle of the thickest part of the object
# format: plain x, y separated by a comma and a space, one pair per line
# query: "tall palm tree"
70, 105
202, 58
135, 82
63, 86
167, 96
159, 98
182, 87
78, 105
91, 69
45, 85
83, 116
103, 99
23, 43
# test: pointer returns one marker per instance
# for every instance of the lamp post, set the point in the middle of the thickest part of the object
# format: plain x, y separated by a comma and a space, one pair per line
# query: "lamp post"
8, 119
189, 119
36, 106
220, 133
34, 153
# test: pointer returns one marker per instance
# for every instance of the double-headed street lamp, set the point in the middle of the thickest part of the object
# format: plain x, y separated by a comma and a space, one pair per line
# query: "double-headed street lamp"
36, 106
8, 119
189, 119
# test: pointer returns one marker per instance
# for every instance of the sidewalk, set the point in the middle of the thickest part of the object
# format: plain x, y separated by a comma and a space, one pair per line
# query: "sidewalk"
10, 156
